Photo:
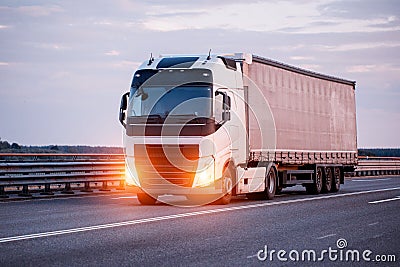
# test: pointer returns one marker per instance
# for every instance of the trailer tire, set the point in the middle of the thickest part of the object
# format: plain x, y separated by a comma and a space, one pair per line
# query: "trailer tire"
316, 187
327, 181
336, 179
146, 199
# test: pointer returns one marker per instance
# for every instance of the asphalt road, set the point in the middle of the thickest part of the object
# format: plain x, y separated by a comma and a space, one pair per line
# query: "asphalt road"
115, 230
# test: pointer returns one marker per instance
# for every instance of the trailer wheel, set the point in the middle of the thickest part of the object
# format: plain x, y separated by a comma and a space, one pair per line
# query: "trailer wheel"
327, 181
146, 199
316, 187
336, 179
227, 186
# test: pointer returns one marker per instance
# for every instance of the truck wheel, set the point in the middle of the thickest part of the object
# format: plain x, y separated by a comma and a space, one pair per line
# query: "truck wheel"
227, 185
146, 199
270, 184
316, 187
327, 181
336, 179
270, 188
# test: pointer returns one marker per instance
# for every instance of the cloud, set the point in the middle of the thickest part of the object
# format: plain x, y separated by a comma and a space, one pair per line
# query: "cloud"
291, 17
360, 46
125, 64
39, 11
4, 63
255, 16
310, 66
357, 9
4, 26
372, 68
301, 58
112, 53
34, 10
52, 46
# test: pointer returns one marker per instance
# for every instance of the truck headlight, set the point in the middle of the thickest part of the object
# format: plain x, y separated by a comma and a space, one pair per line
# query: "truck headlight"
131, 177
205, 172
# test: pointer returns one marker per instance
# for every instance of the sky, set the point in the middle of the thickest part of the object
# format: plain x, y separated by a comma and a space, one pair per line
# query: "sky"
65, 64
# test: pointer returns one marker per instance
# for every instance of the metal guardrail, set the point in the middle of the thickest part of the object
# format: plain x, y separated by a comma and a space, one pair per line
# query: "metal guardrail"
373, 166
47, 170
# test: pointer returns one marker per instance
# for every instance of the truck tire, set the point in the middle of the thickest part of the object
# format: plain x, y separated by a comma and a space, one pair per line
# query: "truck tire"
227, 186
336, 179
146, 199
270, 184
316, 187
270, 187
327, 181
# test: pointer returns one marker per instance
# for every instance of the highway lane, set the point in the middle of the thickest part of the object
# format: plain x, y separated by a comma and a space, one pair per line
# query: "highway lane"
208, 235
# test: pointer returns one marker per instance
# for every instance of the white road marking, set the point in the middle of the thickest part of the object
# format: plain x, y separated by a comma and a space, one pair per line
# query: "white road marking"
371, 180
124, 197
252, 256
372, 224
182, 215
325, 236
384, 200
377, 236
55, 198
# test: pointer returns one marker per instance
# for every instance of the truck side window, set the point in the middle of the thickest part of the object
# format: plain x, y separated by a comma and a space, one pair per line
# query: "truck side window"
222, 107
219, 102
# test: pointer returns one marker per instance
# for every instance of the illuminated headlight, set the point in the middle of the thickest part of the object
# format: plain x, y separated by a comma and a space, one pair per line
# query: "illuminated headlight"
131, 177
205, 172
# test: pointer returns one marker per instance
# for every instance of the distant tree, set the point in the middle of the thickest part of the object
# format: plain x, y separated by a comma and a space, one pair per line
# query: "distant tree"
379, 152
54, 147
15, 146
4, 145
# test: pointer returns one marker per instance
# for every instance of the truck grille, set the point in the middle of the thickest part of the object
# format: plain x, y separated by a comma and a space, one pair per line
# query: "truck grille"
163, 165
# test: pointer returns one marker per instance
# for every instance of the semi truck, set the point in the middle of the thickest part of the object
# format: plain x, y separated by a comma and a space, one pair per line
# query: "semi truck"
210, 127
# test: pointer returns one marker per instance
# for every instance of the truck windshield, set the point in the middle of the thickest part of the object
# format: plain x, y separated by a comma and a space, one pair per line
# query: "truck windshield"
193, 101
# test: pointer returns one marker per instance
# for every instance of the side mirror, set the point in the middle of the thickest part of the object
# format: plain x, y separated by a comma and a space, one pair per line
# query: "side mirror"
227, 102
122, 108
226, 115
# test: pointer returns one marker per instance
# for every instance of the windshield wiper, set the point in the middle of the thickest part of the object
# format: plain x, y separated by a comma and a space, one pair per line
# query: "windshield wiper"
154, 118
188, 118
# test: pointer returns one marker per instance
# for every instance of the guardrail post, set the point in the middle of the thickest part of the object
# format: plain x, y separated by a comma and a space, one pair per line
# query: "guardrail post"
104, 187
121, 185
47, 190
25, 191
86, 187
3, 192
67, 189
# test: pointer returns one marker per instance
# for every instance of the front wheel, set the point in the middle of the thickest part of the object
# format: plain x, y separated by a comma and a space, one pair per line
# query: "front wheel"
227, 187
